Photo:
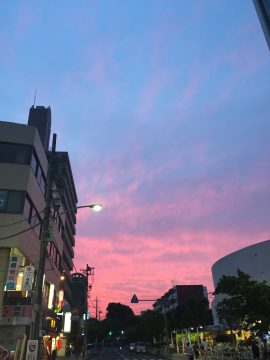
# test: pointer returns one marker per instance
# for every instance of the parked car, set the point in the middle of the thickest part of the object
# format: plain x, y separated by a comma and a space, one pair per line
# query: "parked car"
140, 347
132, 347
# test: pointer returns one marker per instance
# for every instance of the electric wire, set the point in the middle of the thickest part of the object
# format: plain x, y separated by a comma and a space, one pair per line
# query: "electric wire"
20, 221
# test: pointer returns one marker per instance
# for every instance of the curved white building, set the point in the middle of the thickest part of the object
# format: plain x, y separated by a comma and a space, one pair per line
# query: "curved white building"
253, 260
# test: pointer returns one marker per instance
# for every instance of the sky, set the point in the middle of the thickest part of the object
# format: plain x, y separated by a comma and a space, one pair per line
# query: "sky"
164, 109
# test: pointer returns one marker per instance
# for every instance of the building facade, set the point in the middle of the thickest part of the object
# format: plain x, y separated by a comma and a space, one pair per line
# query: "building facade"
253, 260
180, 294
24, 156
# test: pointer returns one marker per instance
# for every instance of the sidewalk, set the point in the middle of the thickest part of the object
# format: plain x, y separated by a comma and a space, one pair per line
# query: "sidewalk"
178, 357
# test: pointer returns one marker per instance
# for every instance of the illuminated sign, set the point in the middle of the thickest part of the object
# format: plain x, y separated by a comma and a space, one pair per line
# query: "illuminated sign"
51, 295
67, 322
60, 300
28, 276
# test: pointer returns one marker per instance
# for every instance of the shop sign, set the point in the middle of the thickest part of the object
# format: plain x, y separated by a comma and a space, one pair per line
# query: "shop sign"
22, 311
67, 322
32, 350
13, 270
28, 277
60, 300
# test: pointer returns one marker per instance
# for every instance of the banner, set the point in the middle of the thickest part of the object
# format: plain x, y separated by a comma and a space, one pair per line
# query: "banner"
13, 270
32, 350
28, 277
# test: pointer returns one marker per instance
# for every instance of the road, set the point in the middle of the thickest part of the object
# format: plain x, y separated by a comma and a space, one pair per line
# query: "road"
117, 354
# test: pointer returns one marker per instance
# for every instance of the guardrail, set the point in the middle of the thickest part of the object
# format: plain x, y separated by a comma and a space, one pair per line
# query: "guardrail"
4, 353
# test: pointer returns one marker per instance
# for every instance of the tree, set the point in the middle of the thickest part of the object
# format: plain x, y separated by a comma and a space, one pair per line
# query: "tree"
151, 325
94, 330
246, 303
191, 313
121, 314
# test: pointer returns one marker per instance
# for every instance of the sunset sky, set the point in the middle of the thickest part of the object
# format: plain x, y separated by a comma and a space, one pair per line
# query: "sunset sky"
163, 106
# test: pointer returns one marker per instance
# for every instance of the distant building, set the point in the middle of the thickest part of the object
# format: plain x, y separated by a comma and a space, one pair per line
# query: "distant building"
253, 260
180, 294
80, 292
24, 154
263, 10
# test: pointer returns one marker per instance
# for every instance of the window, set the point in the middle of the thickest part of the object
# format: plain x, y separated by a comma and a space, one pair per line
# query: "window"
15, 153
34, 163
38, 172
32, 216
3, 199
11, 201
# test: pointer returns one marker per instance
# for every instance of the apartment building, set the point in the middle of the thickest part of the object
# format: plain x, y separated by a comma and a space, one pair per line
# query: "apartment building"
24, 156
180, 294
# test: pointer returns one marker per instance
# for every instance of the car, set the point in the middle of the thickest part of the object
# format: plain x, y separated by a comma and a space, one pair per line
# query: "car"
140, 347
132, 347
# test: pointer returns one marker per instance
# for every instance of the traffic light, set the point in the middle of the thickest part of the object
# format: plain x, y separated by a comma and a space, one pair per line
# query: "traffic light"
110, 333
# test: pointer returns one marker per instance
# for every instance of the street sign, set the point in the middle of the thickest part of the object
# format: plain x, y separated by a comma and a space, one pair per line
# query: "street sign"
134, 299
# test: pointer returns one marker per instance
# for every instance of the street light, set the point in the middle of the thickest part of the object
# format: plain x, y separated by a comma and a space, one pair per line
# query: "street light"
45, 234
41, 268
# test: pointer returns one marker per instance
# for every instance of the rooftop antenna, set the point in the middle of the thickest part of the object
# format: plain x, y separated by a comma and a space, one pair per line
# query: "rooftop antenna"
35, 97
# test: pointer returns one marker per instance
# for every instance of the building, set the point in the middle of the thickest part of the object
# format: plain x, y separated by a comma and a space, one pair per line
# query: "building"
263, 10
180, 294
253, 260
24, 156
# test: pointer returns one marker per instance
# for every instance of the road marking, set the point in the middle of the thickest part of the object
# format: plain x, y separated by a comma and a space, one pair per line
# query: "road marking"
101, 354
123, 357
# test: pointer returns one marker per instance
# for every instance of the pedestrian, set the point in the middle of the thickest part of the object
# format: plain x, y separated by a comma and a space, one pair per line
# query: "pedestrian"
203, 347
255, 349
171, 349
196, 350
190, 352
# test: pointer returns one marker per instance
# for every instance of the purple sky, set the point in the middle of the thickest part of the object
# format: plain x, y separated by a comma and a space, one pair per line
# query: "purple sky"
164, 109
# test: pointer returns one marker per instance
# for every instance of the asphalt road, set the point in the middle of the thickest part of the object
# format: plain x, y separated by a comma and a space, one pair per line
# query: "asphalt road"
117, 354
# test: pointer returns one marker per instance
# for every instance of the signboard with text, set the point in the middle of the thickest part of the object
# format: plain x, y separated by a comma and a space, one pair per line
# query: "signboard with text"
28, 276
13, 270
32, 350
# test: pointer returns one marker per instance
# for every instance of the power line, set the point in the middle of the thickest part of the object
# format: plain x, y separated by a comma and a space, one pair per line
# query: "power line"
20, 221
20, 232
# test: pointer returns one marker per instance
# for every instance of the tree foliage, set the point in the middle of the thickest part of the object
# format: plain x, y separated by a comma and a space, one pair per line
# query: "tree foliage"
151, 325
120, 315
246, 303
191, 313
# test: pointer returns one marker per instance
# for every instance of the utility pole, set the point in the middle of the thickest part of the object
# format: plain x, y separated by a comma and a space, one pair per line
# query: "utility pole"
96, 308
45, 236
87, 271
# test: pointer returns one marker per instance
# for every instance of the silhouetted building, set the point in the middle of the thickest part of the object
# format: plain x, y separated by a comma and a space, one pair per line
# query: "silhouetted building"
263, 10
180, 294
80, 293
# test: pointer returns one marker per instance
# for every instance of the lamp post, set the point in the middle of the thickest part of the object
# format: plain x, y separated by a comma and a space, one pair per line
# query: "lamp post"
41, 268
45, 235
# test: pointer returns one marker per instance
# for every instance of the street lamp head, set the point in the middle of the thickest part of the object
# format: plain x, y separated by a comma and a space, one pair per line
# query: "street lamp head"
96, 207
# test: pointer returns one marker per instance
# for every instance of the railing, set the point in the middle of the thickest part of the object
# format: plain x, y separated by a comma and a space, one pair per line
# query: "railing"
4, 353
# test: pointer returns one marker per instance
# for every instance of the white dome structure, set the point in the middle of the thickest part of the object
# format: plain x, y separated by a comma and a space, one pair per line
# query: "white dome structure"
253, 260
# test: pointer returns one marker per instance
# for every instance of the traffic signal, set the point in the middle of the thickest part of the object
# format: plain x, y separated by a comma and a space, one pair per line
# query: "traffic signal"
110, 333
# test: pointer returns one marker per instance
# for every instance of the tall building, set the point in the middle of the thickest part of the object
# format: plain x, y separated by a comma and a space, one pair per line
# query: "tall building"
180, 294
263, 10
24, 159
